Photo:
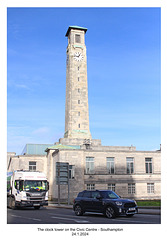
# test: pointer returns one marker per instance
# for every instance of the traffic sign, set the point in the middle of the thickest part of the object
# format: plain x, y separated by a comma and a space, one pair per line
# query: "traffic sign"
62, 173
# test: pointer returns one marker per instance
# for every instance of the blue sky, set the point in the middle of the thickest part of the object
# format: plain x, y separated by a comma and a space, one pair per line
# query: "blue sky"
124, 78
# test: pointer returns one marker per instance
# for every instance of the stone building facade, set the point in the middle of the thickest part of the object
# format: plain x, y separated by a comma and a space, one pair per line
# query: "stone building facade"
130, 173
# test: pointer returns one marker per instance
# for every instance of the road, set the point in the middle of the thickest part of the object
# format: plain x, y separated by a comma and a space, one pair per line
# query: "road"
51, 215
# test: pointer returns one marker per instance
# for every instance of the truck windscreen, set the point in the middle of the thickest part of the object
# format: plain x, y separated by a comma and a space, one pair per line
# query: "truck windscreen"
35, 186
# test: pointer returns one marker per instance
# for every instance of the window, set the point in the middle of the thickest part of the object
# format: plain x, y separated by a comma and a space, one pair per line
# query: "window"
71, 171
111, 186
80, 194
78, 90
78, 101
78, 79
35, 185
91, 186
19, 185
77, 38
150, 187
79, 125
87, 194
95, 194
131, 188
89, 165
78, 113
87, 146
16, 184
129, 162
110, 165
32, 166
148, 164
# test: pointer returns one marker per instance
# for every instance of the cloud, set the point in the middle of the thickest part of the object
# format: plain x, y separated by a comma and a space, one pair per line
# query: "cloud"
18, 82
41, 131
12, 52
19, 136
15, 30
23, 86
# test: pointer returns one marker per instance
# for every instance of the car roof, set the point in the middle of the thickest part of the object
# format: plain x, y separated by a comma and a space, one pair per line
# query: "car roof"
96, 190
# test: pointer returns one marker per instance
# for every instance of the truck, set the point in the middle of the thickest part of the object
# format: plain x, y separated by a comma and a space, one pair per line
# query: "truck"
27, 189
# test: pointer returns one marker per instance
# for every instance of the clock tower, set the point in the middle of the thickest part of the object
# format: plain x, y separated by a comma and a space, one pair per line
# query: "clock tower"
76, 112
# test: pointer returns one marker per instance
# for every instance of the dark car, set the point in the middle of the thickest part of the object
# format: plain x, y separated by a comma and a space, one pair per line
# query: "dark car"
104, 201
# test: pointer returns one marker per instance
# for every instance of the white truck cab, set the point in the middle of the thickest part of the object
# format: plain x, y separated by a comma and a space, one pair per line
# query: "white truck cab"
27, 189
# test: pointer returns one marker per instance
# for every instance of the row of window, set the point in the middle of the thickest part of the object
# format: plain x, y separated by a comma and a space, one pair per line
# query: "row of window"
33, 167
131, 187
78, 37
112, 186
110, 165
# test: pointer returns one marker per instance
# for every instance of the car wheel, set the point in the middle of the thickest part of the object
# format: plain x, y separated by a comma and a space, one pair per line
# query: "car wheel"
109, 212
78, 210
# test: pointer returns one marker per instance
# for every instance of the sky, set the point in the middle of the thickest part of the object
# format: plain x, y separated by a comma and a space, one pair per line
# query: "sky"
124, 75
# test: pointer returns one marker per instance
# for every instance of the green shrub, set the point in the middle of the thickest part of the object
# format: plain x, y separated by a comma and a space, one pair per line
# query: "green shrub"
155, 203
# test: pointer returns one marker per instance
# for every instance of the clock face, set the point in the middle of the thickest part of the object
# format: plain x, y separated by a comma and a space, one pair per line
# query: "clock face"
78, 56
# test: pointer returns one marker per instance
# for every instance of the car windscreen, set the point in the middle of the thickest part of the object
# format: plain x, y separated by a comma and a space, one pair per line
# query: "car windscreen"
109, 195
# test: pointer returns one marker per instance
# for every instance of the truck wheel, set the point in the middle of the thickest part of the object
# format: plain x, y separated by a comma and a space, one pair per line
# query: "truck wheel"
109, 212
12, 203
78, 210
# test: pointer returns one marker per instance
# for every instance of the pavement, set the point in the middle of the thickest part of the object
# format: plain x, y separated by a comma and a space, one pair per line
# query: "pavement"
141, 210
